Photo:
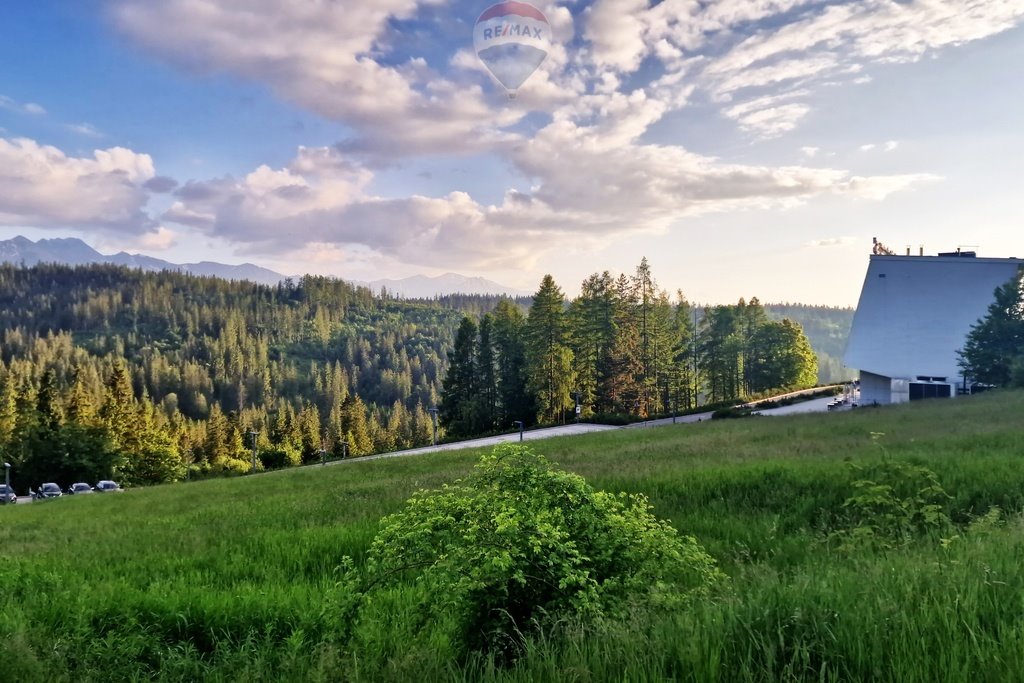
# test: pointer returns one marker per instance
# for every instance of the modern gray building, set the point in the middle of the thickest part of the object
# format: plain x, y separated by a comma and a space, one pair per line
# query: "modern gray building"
913, 316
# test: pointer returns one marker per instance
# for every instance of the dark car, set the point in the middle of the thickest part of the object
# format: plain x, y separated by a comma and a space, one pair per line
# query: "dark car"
7, 495
79, 488
107, 486
47, 491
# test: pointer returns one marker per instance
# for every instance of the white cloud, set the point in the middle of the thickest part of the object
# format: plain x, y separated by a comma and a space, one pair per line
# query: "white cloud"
887, 146
592, 184
325, 56
770, 115
40, 186
338, 59
809, 44
86, 129
843, 241
160, 239
592, 173
22, 108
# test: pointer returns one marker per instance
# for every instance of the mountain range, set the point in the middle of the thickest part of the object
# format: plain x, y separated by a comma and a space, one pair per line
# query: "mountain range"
75, 252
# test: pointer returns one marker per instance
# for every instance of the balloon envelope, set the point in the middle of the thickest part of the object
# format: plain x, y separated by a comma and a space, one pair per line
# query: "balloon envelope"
512, 39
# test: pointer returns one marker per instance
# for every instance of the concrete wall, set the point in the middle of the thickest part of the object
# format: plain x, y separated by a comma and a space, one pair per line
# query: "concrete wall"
914, 315
875, 389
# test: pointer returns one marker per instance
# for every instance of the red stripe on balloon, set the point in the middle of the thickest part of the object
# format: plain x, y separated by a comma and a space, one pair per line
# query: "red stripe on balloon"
505, 8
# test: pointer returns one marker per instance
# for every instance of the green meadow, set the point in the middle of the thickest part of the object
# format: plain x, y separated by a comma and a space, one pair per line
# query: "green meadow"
238, 579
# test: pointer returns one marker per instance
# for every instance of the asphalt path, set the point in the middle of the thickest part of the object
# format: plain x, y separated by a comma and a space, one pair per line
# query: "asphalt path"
815, 405
664, 421
531, 435
811, 406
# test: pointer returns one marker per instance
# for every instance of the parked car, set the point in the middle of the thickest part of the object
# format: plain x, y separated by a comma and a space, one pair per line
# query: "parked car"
79, 488
47, 491
107, 486
7, 495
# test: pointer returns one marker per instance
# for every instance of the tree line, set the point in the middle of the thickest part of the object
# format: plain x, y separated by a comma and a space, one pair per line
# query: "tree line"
153, 377
624, 346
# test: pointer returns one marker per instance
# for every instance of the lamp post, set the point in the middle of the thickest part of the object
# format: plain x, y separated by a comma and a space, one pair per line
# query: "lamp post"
253, 433
7, 475
433, 417
519, 423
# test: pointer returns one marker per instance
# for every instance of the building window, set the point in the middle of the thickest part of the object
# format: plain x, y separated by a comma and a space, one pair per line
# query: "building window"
919, 391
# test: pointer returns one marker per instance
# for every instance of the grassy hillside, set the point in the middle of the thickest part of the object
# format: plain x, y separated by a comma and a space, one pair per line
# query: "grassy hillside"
235, 579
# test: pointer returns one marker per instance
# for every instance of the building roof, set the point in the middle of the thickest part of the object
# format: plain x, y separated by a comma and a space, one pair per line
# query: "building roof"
915, 312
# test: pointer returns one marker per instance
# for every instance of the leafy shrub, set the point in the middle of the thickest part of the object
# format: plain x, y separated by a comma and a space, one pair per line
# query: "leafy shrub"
892, 504
280, 455
518, 546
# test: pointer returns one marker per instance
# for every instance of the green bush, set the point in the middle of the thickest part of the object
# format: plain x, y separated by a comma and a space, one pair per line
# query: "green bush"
516, 547
893, 503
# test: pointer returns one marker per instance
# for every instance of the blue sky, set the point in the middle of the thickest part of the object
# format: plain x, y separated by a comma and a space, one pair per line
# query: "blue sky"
746, 147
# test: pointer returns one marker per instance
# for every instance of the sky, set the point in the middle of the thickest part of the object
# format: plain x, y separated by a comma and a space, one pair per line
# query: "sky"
744, 147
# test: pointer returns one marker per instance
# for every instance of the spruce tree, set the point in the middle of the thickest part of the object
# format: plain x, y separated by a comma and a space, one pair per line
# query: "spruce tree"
459, 401
514, 399
548, 352
993, 353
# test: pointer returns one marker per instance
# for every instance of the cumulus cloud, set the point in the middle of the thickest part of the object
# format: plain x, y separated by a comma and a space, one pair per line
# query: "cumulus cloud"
326, 56
160, 184
41, 186
159, 239
590, 187
617, 68
338, 58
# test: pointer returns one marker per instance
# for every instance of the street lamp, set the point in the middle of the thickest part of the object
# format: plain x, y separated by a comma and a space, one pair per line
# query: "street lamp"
519, 423
433, 416
7, 475
253, 433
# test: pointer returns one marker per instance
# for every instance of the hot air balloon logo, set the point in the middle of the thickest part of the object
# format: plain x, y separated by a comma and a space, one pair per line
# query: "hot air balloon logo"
512, 39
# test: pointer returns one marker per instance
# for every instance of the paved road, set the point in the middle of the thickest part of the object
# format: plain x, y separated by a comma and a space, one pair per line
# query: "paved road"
815, 405
681, 419
531, 435
812, 406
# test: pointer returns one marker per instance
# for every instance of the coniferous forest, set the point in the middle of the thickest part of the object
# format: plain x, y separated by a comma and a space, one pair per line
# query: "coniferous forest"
156, 377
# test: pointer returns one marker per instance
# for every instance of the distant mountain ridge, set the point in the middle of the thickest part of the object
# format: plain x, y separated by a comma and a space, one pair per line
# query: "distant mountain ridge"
425, 287
74, 252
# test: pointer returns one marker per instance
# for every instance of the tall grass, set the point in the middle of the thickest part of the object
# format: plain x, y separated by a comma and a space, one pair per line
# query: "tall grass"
236, 579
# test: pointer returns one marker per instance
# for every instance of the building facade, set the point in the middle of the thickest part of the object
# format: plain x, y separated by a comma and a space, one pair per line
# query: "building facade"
913, 317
